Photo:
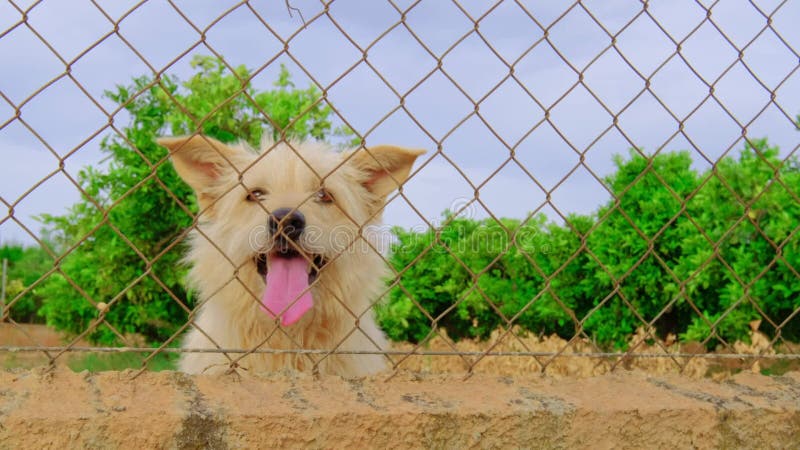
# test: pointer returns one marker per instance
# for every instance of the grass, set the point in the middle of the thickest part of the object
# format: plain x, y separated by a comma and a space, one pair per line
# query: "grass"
93, 362
780, 367
97, 362
13, 361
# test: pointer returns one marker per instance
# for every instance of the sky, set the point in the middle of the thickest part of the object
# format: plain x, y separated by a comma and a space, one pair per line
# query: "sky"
569, 84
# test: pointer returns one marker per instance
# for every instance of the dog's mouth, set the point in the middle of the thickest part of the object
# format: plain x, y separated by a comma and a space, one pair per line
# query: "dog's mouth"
288, 276
314, 266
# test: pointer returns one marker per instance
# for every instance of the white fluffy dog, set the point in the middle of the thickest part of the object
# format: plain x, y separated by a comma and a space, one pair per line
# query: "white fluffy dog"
279, 258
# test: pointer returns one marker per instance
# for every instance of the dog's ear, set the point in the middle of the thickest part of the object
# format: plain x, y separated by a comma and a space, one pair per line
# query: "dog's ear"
385, 167
200, 161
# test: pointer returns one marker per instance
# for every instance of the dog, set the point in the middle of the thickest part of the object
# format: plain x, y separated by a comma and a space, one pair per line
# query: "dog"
279, 256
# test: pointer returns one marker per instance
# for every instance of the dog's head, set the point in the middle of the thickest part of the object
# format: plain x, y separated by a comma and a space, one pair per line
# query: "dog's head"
289, 212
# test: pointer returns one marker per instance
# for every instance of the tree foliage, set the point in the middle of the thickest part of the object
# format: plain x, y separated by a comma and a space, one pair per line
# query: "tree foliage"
129, 225
699, 254
25, 266
670, 243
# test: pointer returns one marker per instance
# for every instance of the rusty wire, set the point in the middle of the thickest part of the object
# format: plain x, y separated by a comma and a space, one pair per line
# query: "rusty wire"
470, 359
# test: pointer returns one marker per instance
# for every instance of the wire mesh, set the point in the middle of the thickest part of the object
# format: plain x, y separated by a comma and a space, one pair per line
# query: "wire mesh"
546, 35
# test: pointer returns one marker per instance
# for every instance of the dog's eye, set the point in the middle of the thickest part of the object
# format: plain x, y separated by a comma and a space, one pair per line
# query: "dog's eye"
255, 195
323, 196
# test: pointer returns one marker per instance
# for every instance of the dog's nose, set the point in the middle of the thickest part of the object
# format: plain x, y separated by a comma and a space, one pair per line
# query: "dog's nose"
288, 222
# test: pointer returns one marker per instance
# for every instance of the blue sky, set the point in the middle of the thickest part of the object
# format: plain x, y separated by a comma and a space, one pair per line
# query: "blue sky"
444, 115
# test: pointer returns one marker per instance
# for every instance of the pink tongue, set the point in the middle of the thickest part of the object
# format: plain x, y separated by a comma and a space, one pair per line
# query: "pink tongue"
287, 292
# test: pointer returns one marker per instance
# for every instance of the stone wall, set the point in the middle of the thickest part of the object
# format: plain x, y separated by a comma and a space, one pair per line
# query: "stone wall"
62, 409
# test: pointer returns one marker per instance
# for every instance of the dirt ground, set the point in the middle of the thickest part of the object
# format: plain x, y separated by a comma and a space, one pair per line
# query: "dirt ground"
25, 335
566, 364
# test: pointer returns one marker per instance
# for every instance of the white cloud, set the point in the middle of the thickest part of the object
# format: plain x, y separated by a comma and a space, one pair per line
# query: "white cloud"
65, 118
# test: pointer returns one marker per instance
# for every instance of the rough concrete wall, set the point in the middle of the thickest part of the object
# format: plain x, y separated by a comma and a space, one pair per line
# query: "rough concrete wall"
62, 409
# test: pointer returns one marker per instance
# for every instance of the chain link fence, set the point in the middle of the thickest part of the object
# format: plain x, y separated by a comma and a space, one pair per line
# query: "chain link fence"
548, 38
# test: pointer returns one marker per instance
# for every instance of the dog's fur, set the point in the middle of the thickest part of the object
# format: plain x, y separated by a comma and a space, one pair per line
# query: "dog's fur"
231, 232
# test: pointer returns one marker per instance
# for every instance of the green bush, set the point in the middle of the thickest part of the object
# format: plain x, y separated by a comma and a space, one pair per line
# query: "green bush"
672, 240
25, 266
698, 254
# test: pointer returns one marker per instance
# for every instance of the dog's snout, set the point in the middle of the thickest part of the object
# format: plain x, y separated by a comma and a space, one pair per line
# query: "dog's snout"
288, 222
